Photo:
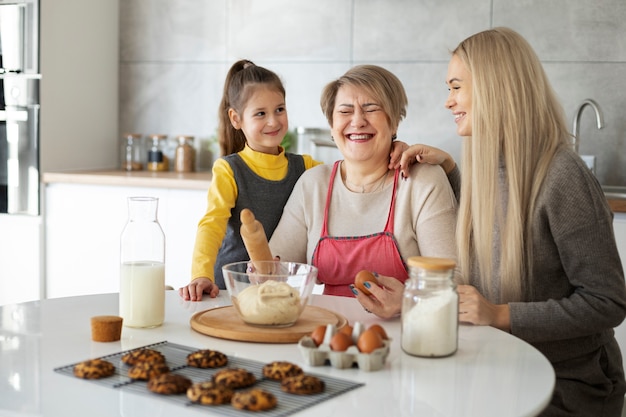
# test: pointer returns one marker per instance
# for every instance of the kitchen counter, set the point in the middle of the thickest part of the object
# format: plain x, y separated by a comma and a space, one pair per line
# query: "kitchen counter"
492, 374
169, 179
174, 180
617, 205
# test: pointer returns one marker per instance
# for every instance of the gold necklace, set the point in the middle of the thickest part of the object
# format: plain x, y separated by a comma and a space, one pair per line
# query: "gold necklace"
352, 186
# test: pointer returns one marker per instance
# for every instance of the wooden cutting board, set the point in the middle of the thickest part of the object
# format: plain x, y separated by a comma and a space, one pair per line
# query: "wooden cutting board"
224, 323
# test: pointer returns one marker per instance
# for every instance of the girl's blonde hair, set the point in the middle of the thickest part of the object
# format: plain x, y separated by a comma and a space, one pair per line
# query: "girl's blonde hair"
517, 126
242, 79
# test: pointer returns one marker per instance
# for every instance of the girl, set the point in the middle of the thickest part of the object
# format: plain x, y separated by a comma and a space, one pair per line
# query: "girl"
255, 173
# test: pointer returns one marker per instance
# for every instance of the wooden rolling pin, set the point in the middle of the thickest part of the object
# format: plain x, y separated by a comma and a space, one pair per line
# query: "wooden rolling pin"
255, 241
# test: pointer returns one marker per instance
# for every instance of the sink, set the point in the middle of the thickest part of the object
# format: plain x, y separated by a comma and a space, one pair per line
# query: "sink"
616, 192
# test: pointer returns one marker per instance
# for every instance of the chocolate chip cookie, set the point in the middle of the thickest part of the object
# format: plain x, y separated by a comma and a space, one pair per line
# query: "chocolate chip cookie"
209, 393
94, 369
147, 370
279, 370
234, 378
143, 355
254, 400
168, 384
302, 384
207, 359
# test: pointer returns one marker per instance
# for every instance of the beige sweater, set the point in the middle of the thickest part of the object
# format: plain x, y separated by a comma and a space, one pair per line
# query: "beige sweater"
425, 214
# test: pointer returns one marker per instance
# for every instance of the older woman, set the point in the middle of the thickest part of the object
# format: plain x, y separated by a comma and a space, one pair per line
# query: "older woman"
357, 213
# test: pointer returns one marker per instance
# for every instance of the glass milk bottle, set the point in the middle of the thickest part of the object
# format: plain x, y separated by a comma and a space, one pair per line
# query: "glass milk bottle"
430, 308
142, 265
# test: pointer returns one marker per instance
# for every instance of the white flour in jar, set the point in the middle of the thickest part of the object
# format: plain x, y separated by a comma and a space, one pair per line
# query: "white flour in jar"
430, 328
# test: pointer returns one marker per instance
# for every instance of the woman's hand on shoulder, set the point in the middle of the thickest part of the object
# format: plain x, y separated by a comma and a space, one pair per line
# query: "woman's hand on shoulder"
194, 290
397, 149
386, 298
425, 154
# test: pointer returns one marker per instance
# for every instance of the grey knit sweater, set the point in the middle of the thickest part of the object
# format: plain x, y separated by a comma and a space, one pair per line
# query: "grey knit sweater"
579, 294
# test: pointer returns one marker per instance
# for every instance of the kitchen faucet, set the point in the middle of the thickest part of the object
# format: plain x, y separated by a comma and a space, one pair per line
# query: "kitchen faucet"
576, 127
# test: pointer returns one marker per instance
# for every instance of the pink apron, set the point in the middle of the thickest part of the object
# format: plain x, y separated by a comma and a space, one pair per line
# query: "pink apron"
339, 258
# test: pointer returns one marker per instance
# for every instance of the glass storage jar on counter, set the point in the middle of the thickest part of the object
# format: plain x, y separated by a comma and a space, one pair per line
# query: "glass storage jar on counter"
185, 154
157, 161
132, 152
430, 308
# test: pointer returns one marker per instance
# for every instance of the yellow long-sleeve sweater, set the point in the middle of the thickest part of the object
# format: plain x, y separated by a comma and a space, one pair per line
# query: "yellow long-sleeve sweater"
221, 199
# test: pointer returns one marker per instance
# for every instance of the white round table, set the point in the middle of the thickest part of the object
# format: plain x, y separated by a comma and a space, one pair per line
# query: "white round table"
492, 373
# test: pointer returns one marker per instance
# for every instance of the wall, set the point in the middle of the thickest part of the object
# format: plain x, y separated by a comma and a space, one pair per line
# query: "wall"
174, 57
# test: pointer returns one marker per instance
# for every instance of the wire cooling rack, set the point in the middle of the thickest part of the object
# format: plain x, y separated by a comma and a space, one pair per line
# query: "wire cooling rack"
176, 359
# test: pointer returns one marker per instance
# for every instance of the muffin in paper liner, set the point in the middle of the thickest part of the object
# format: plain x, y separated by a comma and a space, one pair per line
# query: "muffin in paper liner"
323, 354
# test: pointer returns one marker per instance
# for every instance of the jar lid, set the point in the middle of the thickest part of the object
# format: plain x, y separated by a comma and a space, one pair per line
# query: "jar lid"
132, 135
430, 263
157, 136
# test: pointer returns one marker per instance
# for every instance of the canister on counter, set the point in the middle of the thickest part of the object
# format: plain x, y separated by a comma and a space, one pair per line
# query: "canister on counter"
157, 161
430, 308
185, 154
131, 152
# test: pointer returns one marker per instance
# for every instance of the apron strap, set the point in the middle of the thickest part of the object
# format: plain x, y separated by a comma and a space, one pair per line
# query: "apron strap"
392, 206
328, 195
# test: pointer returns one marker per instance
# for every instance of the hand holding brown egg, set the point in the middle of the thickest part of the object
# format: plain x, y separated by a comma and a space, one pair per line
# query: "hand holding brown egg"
361, 278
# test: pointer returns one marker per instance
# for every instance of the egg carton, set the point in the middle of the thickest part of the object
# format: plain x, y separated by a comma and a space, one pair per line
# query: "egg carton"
323, 354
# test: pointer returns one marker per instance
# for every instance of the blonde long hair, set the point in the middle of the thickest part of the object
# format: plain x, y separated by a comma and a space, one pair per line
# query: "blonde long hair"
518, 124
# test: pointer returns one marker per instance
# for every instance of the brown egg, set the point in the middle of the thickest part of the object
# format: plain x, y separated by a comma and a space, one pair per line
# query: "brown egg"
362, 277
380, 330
340, 342
318, 335
347, 329
369, 341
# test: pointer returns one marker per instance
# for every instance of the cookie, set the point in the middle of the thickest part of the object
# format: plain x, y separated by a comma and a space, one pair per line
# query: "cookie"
279, 370
143, 355
209, 393
302, 384
94, 369
234, 378
147, 370
207, 359
253, 400
167, 384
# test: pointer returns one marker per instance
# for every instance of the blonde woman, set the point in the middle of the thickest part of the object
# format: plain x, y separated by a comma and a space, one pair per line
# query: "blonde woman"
534, 231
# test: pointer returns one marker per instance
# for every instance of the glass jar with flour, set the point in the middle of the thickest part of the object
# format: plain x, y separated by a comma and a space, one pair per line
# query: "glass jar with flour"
430, 308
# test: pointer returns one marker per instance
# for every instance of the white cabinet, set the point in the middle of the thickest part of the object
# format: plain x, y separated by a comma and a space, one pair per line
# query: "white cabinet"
20, 258
619, 226
82, 234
